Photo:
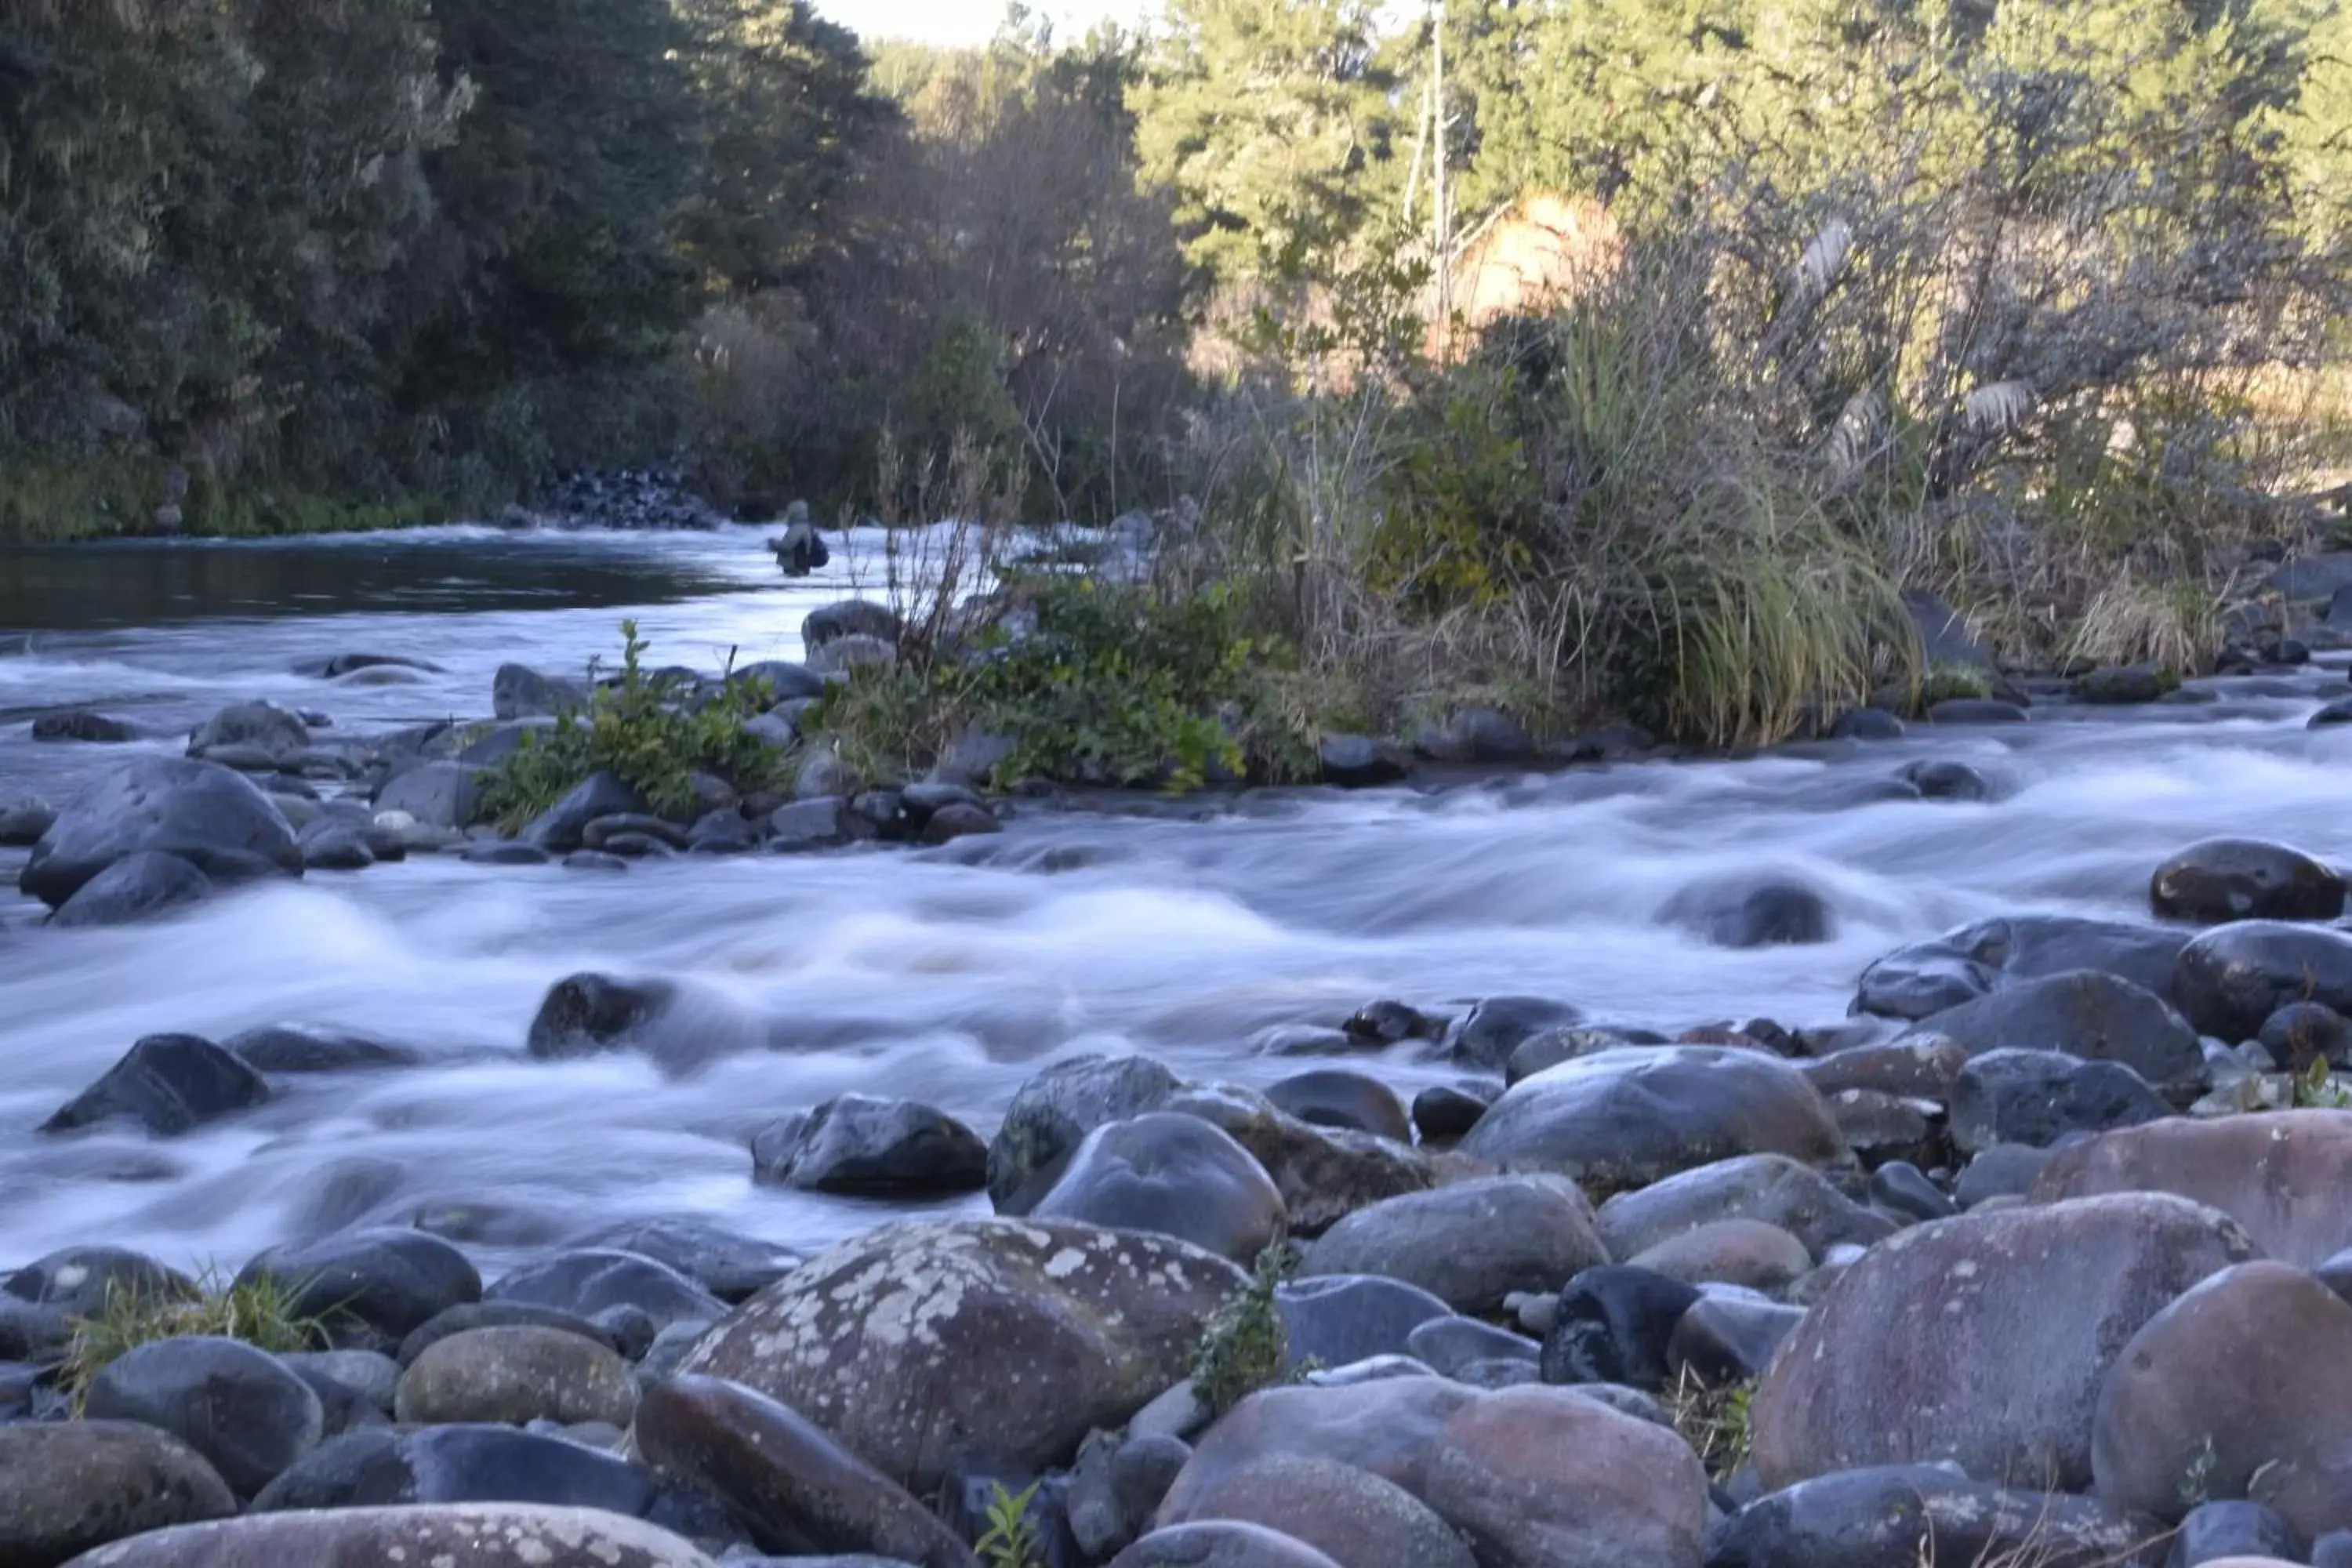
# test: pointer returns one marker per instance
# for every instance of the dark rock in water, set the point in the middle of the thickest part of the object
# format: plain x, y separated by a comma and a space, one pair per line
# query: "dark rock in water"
168, 1084
2233, 1528
1626, 1118
388, 1280
1448, 1111
2334, 713
959, 821
1898, 1516
593, 1280
82, 724
1745, 911
517, 1374
343, 664
1726, 1340
818, 823
1613, 1325
1982, 1340
1498, 1026
789, 1480
1940, 779
1355, 761
1220, 1543
467, 1316
518, 692
474, 1535
263, 725
563, 826
850, 617
332, 846
1175, 1175
499, 852
1334, 1097
2036, 1097
2231, 979
1053, 1112
1386, 1022
2095, 1017
2123, 684
1866, 724
1475, 735
214, 819
1975, 710
1340, 1320
70, 1486
1930, 977
720, 833
136, 888
2304, 1032
23, 820
594, 861
79, 1280
2225, 880
446, 795
1772, 1188
731, 1265
1471, 1244
862, 1144
987, 1346
601, 832
242, 1409
588, 1015
289, 1049
639, 846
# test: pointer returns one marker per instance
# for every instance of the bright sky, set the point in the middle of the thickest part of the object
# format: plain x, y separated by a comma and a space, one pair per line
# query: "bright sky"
969, 21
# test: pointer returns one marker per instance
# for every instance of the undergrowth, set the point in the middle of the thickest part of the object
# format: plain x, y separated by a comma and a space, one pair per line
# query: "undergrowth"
259, 1312
1244, 1346
1714, 1419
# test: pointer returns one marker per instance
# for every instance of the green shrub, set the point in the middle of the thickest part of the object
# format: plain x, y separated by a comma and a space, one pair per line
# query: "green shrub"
1011, 1539
1242, 1348
643, 729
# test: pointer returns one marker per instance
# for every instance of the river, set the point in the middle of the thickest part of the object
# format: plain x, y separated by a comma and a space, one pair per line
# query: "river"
1186, 931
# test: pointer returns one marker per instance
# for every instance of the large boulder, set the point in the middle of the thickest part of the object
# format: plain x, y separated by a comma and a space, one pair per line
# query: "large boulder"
1322, 1172
934, 1348
389, 1280
77, 1280
446, 795
848, 618
450, 1535
730, 1264
2036, 1097
1981, 1340
1338, 1320
137, 888
68, 1487
1053, 1112
785, 1476
243, 1409
2282, 1175
518, 691
863, 1145
1471, 1244
1900, 1516
214, 819
1530, 1477
169, 1084
1772, 1188
1745, 910
561, 828
2224, 879
2232, 978
261, 725
594, 1280
1933, 976
1177, 1175
2082, 1013
517, 1375
2250, 1371
1626, 1118
83, 725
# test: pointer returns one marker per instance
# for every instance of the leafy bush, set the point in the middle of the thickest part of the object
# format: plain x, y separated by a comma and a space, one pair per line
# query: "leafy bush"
1242, 1348
647, 729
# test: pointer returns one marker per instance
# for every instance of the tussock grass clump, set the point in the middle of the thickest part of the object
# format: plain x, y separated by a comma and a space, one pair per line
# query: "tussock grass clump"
260, 1311
1714, 1419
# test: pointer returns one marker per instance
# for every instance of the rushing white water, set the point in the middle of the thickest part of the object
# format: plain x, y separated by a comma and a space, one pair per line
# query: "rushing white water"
1184, 930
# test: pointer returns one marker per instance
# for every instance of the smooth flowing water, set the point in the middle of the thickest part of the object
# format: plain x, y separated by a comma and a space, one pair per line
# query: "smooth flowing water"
1186, 931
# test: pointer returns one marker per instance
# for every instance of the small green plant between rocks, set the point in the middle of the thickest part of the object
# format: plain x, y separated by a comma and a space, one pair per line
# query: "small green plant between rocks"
1242, 1348
259, 1312
1011, 1538
1714, 1419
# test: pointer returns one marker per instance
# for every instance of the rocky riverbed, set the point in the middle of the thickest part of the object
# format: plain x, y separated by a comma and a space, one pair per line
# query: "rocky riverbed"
1925, 1148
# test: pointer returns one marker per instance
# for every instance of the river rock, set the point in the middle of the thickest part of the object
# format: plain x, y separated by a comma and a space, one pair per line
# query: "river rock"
730, 1264
213, 818
1940, 778
1358, 761
849, 617
562, 827
931, 1348
1053, 1112
1220, 1543
1334, 1097
2250, 1369
83, 725
517, 1375
169, 1084
2224, 879
785, 1476
1933, 976
1322, 1172
337, 666
2234, 977
2304, 1032
388, 1280
136, 888
1351, 1515
519, 692
446, 795
843, 654
1901, 1516
369, 1376
1542, 1052
77, 1280
460, 1464
262, 725
1527, 1477
2086, 1014
1626, 1118
1470, 1244
595, 1280
1612, 1324
1342, 1319
467, 1316
332, 846
1748, 910
1975, 710
23, 820
2032, 1306
2037, 1098
1745, 1252
1487, 1034
1728, 1338
1443, 1112
1904, 1190
1919, 1065
2216, 1532
2278, 1173
1176, 1175
1772, 1188
309, 1048
859, 1144
243, 1409
457, 1535
587, 1015
68, 1487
